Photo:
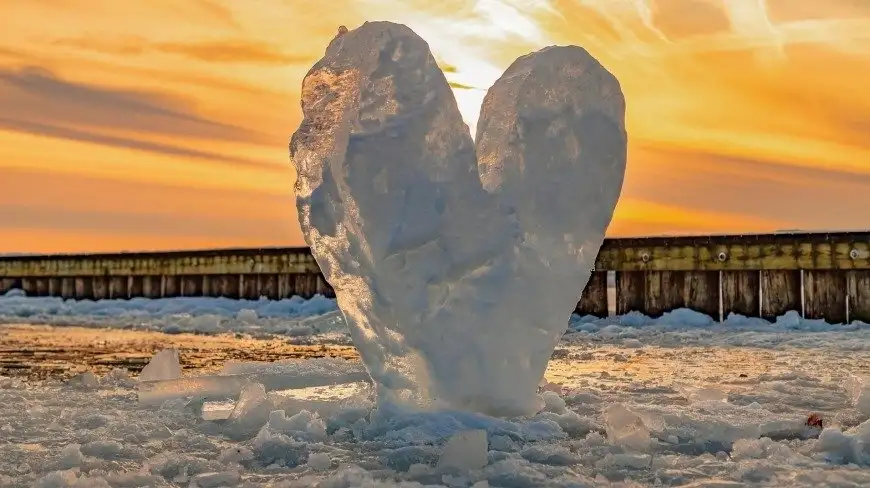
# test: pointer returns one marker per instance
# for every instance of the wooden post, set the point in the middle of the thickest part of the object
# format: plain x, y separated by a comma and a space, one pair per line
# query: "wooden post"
312, 284
84, 288
7, 284
136, 286
858, 288
283, 285
664, 292
781, 292
67, 288
28, 286
269, 286
171, 286
118, 287
630, 291
54, 287
825, 295
740, 293
593, 299
191, 285
701, 292
100, 287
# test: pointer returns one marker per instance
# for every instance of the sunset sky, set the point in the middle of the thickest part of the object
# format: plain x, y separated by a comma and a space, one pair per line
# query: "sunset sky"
163, 124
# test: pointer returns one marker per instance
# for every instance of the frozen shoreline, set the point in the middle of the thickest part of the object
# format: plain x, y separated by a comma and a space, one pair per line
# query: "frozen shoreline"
677, 401
623, 416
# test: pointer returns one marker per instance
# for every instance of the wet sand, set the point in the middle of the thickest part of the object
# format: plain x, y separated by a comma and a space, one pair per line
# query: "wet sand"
50, 352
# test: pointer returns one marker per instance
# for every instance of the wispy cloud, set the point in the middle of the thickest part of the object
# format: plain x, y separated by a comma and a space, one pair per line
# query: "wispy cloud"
237, 51
34, 96
47, 130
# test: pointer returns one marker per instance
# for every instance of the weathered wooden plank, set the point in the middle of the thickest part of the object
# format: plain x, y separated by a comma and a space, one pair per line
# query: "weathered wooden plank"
630, 291
269, 286
770, 251
701, 292
7, 284
825, 295
780, 292
68, 287
664, 292
170, 286
54, 287
593, 299
310, 288
151, 286
740, 293
858, 288
117, 287
227, 286
191, 285
41, 286
28, 286
136, 286
250, 287
99, 287
239, 261
83, 288
285, 286
205, 284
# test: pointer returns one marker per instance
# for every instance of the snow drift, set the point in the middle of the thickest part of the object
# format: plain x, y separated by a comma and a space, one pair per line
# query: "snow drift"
456, 266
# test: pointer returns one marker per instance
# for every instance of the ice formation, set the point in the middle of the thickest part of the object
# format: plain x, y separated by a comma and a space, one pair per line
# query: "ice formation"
456, 265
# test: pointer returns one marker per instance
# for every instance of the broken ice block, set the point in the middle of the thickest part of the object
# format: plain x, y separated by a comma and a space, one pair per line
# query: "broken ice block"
273, 376
466, 450
163, 366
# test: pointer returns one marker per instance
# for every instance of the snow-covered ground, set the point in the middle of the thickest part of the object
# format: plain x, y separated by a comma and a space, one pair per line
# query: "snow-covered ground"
677, 401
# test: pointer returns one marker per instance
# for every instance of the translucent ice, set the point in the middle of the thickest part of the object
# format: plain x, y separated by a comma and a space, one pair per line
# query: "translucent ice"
456, 266
163, 366
464, 451
235, 376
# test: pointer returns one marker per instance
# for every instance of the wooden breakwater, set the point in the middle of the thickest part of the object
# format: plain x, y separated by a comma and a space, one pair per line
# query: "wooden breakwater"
820, 275
274, 273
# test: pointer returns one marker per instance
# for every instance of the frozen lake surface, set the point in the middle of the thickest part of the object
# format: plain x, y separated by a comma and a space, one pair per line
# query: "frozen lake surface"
678, 401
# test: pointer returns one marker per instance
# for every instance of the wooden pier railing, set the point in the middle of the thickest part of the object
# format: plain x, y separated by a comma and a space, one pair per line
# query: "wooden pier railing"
820, 275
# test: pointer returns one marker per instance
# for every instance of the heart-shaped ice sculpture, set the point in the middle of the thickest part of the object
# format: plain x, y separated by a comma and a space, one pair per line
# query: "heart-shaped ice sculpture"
456, 266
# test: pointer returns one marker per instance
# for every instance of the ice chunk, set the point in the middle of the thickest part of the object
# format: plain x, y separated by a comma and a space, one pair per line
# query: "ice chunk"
838, 446
306, 423
626, 460
252, 409
456, 268
86, 380
859, 391
213, 480
236, 454
282, 375
626, 428
464, 451
247, 315
319, 461
553, 402
163, 366
70, 457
